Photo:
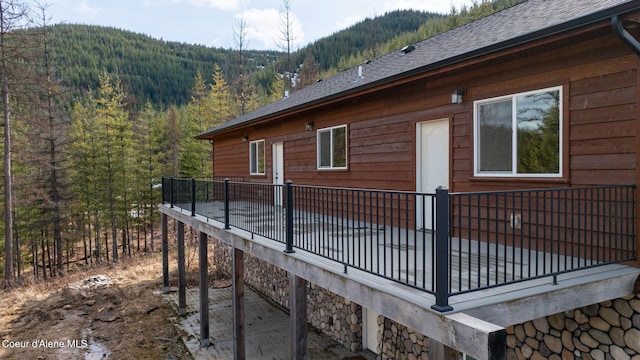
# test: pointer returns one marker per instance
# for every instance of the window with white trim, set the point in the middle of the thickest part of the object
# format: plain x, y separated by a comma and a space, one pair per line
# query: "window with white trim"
332, 147
519, 135
256, 157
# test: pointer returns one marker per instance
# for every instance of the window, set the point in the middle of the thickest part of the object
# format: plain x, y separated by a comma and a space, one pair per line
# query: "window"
256, 157
519, 135
332, 148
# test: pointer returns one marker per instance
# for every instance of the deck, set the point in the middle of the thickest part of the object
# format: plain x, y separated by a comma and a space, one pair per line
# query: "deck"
476, 315
402, 255
457, 268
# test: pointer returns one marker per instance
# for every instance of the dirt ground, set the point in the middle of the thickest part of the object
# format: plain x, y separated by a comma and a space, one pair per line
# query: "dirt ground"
125, 320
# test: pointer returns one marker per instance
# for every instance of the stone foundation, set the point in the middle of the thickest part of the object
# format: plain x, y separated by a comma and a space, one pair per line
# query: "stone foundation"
401, 343
605, 331
335, 316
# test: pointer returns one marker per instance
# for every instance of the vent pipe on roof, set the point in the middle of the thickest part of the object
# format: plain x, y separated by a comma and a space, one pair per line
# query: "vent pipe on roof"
624, 35
286, 94
360, 72
407, 49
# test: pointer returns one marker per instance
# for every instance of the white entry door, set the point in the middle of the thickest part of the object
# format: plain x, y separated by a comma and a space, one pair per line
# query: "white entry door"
432, 159
278, 172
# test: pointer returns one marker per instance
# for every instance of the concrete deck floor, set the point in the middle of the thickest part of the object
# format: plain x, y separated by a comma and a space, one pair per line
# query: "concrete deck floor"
267, 329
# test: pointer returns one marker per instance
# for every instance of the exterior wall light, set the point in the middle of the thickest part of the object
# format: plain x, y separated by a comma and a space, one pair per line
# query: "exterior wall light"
245, 138
456, 96
309, 126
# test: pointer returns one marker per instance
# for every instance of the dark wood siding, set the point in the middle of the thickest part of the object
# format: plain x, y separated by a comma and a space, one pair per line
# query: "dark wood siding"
599, 81
598, 77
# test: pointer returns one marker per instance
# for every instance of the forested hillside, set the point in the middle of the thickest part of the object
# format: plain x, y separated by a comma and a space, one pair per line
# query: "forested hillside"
94, 117
162, 72
151, 69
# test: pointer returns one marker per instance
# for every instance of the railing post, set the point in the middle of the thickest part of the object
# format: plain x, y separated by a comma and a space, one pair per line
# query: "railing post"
193, 196
442, 251
289, 219
226, 204
163, 190
171, 192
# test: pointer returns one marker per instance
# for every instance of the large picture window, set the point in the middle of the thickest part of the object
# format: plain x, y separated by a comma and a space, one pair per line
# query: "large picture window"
519, 135
332, 148
256, 157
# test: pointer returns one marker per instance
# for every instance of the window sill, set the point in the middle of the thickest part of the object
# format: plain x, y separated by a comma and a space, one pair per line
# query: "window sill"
519, 179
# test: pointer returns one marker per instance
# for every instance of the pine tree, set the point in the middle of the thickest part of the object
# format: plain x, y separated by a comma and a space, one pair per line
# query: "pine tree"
276, 92
193, 157
113, 134
203, 113
146, 171
84, 174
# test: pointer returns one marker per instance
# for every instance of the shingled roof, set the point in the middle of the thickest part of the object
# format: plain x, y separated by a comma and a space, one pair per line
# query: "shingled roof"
517, 25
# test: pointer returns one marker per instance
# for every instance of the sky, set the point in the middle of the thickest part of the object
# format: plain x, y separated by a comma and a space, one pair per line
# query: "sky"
212, 22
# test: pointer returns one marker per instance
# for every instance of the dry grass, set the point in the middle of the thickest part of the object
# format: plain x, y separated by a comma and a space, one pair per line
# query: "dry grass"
51, 311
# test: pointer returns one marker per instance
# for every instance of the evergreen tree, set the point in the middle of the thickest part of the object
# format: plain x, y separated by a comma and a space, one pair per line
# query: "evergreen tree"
113, 135
146, 172
276, 92
84, 174
193, 154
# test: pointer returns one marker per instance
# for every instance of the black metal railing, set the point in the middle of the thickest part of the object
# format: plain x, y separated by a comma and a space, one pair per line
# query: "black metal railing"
443, 243
510, 236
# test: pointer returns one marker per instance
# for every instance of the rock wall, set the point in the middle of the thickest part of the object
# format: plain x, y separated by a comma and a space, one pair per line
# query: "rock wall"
605, 331
401, 343
336, 316
332, 314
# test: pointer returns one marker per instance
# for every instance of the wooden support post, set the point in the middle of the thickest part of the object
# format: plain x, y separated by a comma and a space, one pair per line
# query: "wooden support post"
165, 254
298, 316
238, 304
182, 287
204, 289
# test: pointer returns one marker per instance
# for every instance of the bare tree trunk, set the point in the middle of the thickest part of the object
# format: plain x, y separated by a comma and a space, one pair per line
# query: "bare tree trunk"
34, 255
151, 217
84, 239
8, 185
90, 242
287, 37
67, 247
106, 245
44, 260
17, 246
49, 263
96, 229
